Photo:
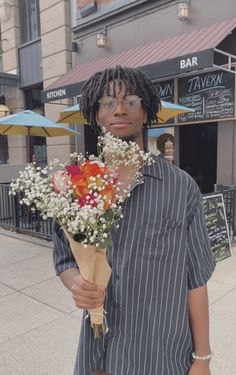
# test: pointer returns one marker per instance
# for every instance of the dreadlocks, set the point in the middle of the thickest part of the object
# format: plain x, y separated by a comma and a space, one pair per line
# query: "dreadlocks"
135, 82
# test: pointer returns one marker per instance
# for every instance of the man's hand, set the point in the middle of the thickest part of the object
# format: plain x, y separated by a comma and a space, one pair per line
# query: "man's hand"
87, 295
200, 368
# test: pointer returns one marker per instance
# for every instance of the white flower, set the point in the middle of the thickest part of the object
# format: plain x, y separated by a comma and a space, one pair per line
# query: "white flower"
50, 191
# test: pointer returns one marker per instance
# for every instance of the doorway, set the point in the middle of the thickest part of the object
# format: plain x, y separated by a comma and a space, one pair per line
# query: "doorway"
198, 153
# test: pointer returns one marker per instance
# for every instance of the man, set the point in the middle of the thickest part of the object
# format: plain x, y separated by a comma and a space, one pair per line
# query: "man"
156, 300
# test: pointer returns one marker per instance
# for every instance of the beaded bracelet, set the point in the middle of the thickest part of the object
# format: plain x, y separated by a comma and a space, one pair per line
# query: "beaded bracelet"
203, 358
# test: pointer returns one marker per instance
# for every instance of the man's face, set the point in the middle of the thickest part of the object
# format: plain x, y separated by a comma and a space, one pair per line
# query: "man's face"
121, 121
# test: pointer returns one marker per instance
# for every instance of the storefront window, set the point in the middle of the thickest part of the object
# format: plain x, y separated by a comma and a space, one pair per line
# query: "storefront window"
93, 9
30, 22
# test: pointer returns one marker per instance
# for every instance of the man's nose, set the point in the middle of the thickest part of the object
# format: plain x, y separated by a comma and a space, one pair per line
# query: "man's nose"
120, 108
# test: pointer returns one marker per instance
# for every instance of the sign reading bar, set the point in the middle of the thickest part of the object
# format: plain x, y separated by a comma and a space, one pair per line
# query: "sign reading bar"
217, 226
211, 95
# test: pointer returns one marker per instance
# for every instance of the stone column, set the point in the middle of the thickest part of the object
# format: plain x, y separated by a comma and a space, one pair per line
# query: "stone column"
10, 30
56, 60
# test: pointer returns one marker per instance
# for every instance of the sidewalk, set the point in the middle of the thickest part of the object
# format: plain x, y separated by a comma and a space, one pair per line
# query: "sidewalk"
39, 324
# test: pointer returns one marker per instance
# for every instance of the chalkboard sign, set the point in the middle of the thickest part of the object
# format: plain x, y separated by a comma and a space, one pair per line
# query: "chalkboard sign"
165, 90
211, 95
217, 226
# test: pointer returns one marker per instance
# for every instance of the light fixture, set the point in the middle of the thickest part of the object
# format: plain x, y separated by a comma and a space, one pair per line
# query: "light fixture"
183, 10
4, 110
5, 10
101, 38
75, 47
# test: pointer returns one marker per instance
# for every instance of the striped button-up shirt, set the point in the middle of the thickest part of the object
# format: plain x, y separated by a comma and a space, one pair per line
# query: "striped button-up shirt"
159, 252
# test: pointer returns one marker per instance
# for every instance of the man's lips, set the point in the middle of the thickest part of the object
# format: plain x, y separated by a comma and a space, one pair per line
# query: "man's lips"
120, 124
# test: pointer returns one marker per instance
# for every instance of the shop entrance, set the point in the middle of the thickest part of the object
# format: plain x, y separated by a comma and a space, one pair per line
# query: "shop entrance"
198, 153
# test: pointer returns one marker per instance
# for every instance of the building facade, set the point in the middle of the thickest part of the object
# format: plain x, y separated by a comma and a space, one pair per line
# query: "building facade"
36, 50
191, 61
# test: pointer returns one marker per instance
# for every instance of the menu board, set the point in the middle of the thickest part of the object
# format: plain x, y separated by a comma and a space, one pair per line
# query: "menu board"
217, 226
165, 90
211, 95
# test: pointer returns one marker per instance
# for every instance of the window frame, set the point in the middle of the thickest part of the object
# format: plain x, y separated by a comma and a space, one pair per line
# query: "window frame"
28, 22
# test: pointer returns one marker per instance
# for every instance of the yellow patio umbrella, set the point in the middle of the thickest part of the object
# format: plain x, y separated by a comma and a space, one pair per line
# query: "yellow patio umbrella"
30, 123
72, 115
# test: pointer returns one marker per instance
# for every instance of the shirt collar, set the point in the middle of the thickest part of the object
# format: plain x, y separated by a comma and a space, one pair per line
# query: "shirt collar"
155, 169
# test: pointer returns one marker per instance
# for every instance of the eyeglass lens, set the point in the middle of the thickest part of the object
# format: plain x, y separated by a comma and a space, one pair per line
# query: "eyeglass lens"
130, 102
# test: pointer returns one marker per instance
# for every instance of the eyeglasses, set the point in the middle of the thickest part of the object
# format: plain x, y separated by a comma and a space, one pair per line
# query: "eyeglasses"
130, 102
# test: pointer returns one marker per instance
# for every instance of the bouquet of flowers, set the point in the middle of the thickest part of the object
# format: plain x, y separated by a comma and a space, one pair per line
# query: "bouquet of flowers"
85, 196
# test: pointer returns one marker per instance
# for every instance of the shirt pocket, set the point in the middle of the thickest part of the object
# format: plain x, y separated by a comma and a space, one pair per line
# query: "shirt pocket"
162, 239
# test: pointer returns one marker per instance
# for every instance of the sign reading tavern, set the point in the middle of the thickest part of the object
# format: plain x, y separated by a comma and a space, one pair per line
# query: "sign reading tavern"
211, 95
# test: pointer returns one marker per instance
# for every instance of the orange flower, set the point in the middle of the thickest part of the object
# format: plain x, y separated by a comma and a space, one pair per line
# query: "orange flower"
80, 185
108, 195
90, 169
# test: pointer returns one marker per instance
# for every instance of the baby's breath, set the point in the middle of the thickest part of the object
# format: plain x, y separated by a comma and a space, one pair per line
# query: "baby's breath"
88, 217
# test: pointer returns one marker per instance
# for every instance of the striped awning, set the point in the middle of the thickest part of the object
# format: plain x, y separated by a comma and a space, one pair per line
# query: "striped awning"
182, 53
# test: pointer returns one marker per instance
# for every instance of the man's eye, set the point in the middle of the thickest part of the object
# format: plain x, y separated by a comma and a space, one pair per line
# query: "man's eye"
108, 104
130, 103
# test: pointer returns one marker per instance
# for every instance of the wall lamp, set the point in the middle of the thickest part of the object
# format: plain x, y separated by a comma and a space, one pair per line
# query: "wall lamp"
183, 10
101, 38
75, 47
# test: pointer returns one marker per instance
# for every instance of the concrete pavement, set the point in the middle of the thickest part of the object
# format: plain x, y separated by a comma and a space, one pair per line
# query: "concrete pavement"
39, 324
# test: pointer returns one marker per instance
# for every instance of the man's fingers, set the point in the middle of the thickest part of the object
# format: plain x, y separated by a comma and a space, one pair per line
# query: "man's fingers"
85, 303
85, 285
87, 295
93, 295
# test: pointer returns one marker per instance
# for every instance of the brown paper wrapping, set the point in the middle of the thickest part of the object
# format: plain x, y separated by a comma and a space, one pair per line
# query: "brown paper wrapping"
94, 268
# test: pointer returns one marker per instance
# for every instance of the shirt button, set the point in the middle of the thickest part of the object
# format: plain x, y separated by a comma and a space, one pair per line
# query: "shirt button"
117, 277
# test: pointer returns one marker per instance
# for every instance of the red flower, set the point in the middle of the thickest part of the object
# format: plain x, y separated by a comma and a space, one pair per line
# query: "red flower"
73, 170
88, 199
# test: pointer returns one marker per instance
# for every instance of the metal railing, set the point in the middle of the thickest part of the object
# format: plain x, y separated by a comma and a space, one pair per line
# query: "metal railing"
20, 218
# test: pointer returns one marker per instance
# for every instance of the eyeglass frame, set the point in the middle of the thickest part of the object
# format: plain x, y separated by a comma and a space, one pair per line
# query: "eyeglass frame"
116, 101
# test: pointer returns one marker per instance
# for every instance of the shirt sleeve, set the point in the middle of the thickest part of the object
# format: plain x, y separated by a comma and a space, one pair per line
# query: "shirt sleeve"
200, 259
63, 258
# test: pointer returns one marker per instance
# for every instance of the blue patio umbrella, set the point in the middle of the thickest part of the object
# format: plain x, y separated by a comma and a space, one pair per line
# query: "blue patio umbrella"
168, 110
30, 123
